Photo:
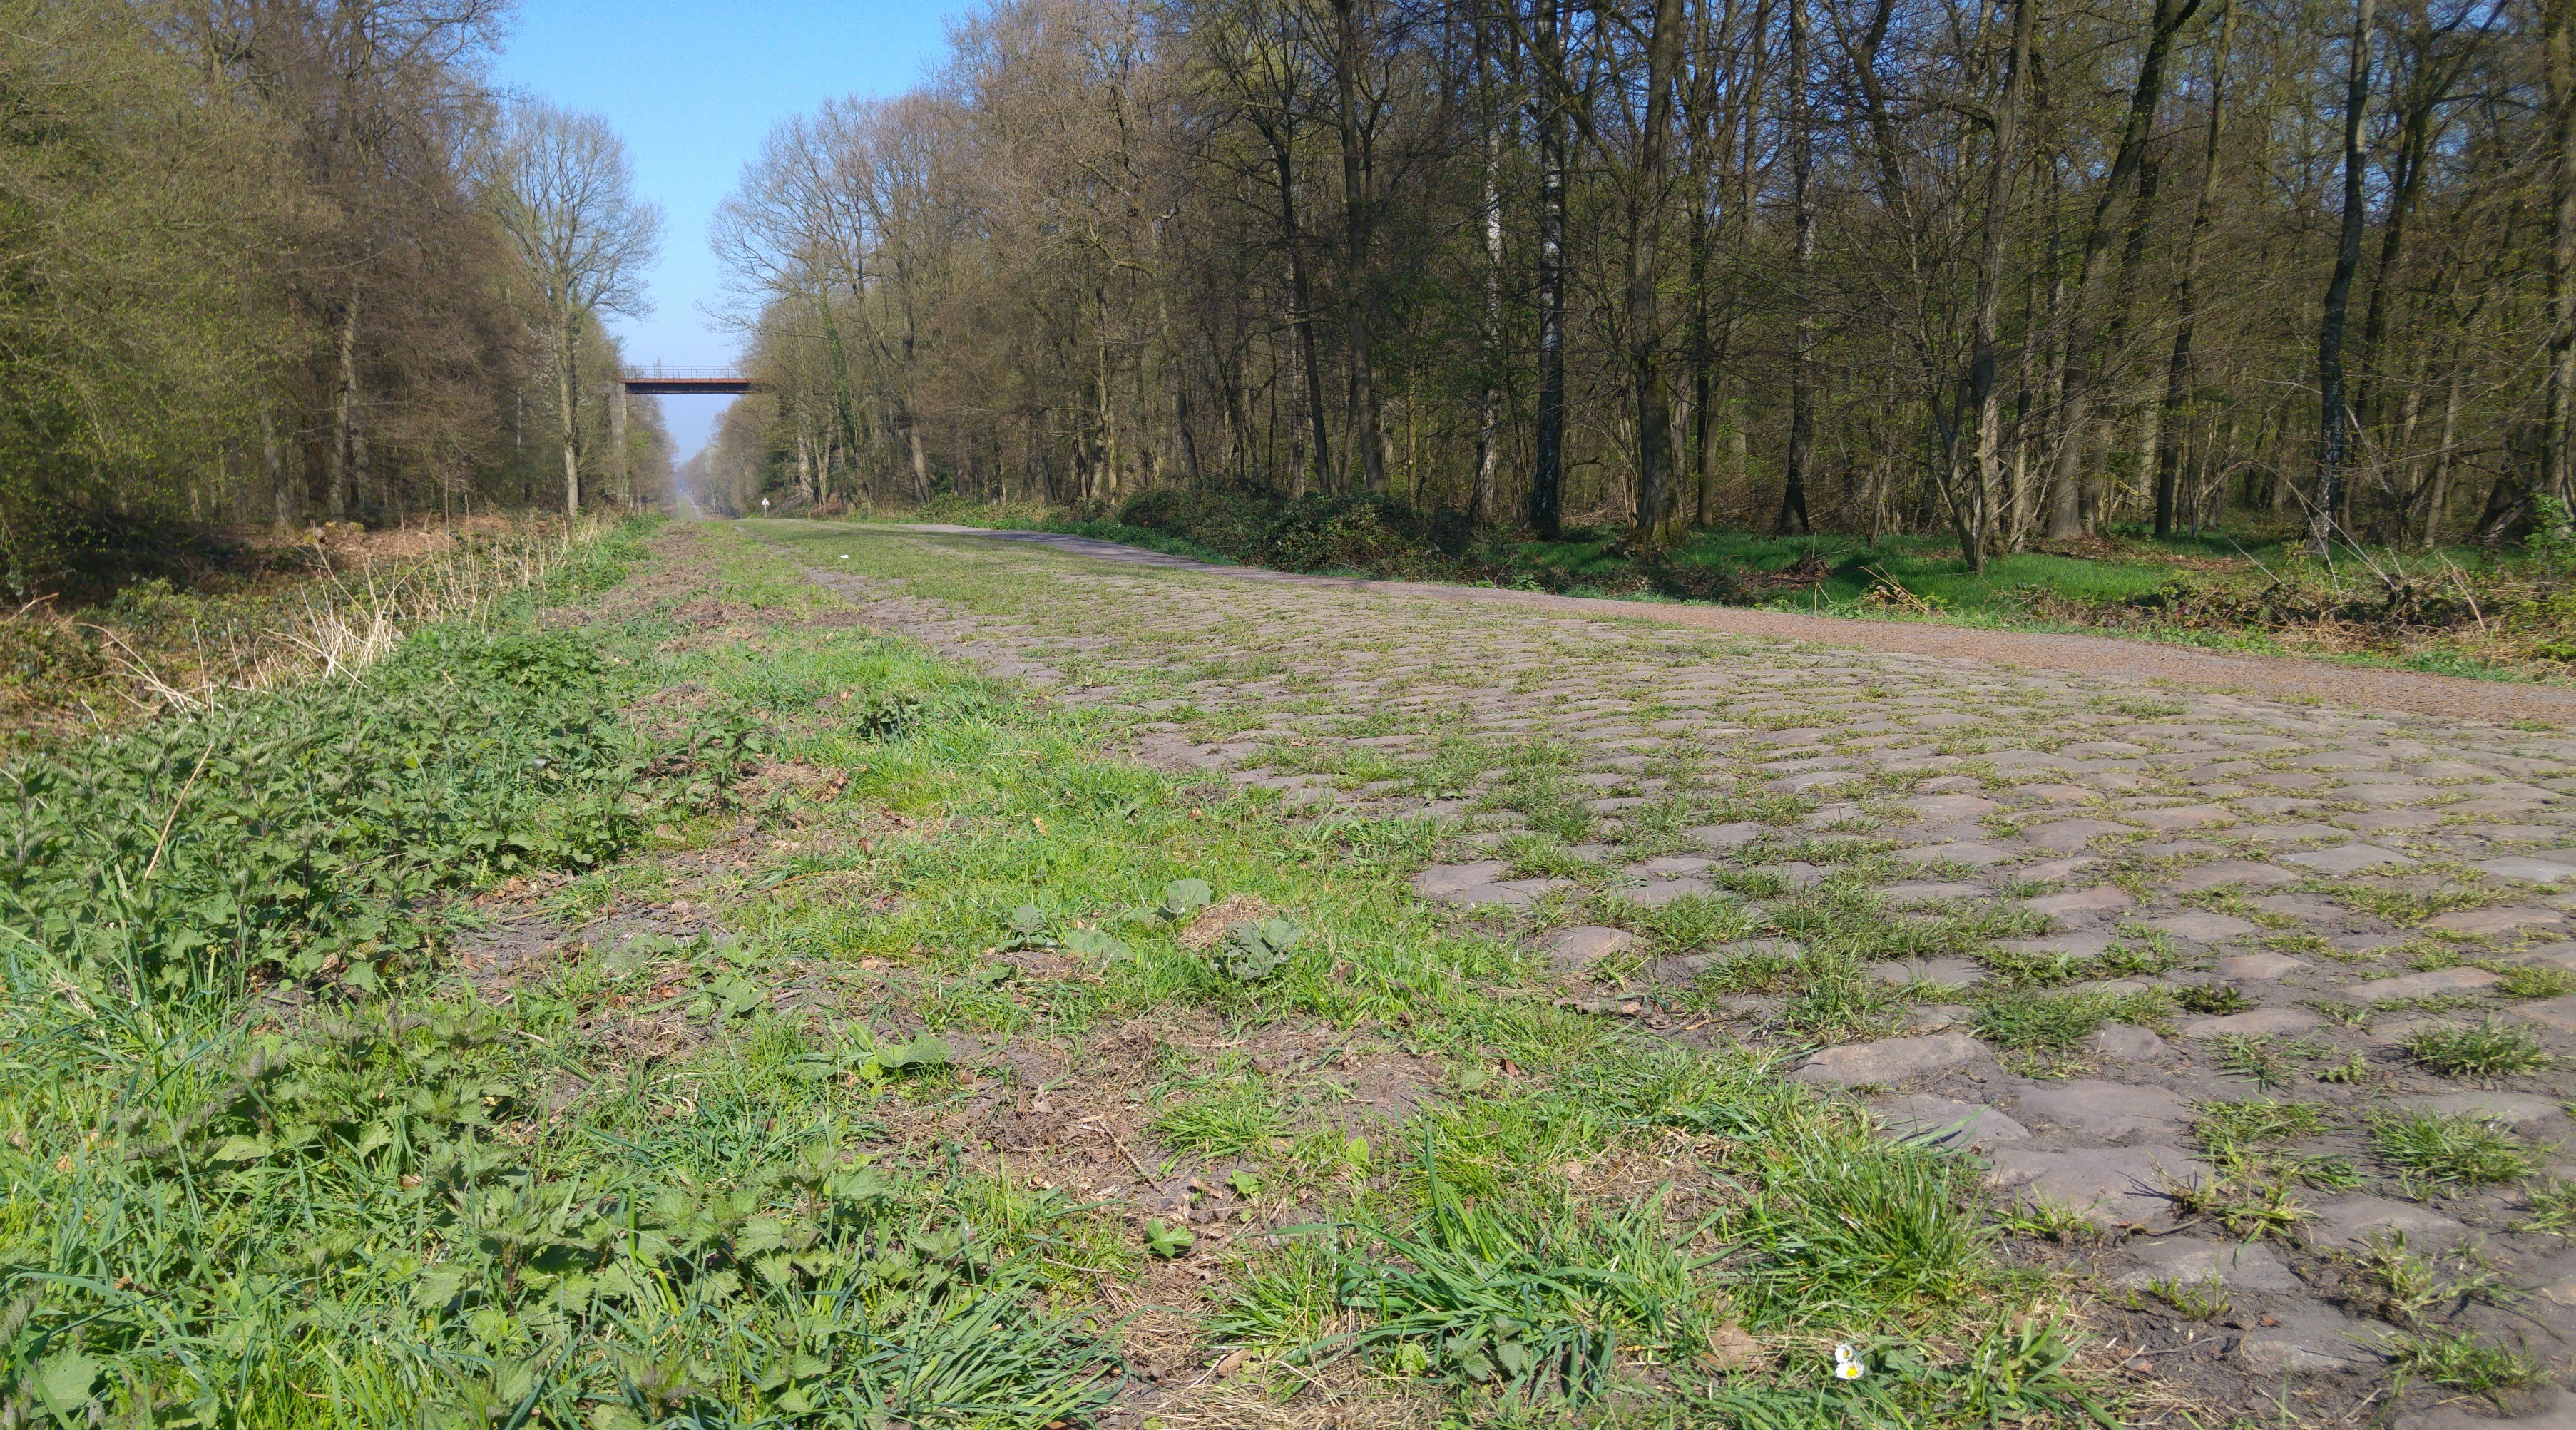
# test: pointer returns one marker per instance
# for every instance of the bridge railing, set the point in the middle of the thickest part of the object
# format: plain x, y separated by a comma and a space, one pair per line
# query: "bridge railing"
684, 374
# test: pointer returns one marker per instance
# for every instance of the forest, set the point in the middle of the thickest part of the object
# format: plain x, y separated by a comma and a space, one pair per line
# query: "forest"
2003, 273
274, 263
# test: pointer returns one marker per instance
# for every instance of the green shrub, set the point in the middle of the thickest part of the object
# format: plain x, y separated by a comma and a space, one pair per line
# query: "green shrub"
307, 832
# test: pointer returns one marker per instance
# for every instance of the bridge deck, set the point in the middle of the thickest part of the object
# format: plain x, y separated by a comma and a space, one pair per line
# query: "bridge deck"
686, 386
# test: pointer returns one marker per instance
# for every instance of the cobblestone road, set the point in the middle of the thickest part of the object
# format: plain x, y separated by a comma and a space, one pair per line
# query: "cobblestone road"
2103, 933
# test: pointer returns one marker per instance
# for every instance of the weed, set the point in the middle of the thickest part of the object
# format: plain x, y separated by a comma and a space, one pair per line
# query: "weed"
1242, 1118
312, 830
2212, 998
2460, 1361
2488, 1050
2245, 1196
1168, 1241
2459, 1149
2407, 1282
2146, 958
1253, 951
2047, 1221
1283, 1301
2326, 1174
1844, 1233
2553, 1206
1694, 921
1841, 1005
2346, 1072
1535, 857
2204, 1300
2529, 980
1184, 897
1754, 970
2254, 1059
2020, 1372
2460, 889
1533, 1307
2256, 1122
2055, 1025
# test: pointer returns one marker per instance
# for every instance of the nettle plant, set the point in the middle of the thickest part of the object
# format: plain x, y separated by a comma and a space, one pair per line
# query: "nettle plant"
1249, 950
310, 834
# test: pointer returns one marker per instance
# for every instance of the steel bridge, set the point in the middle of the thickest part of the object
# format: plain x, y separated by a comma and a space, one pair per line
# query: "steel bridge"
661, 381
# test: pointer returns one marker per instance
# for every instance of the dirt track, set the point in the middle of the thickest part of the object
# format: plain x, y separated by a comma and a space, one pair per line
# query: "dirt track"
2277, 676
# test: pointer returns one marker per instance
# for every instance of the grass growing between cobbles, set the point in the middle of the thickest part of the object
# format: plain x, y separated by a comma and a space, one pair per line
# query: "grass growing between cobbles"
989, 1079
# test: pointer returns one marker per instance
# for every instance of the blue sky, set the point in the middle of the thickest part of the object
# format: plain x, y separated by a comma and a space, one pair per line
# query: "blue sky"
693, 88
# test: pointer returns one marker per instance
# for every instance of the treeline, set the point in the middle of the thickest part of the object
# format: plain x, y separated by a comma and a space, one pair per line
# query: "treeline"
2010, 269
283, 261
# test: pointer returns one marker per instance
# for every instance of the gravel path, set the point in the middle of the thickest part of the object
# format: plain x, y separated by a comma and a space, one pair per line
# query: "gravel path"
2285, 677
2093, 930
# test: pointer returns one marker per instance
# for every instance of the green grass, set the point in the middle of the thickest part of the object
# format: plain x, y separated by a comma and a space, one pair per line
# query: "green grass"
2553, 1206
2047, 969
739, 1177
2458, 1150
2256, 1122
1239, 1119
1526, 1305
2460, 1361
2050, 1028
384, 1163
2488, 1050
2536, 981
1927, 566
1844, 1233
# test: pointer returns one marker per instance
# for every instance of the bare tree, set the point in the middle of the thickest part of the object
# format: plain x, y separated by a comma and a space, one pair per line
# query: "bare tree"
1979, 267
2333, 418
564, 194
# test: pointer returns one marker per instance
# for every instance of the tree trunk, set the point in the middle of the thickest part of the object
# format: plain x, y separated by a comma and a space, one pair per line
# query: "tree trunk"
1658, 509
1802, 374
281, 495
1547, 464
1181, 423
2332, 420
2066, 514
569, 412
2178, 366
1358, 204
2558, 19
2437, 498
1480, 495
1301, 312
620, 468
843, 408
343, 398
1984, 397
